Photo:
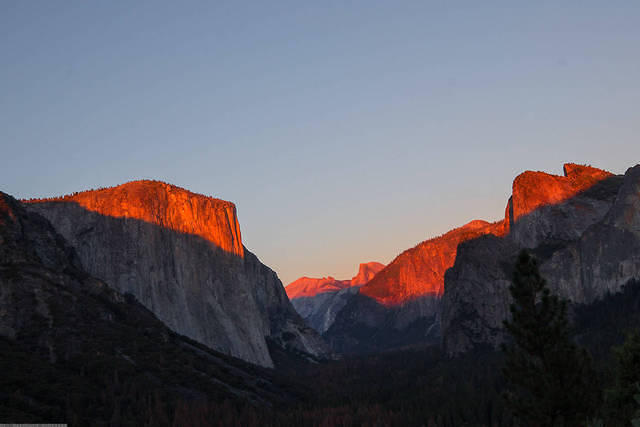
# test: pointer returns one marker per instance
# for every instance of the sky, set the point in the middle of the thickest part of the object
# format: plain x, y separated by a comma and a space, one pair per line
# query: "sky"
344, 132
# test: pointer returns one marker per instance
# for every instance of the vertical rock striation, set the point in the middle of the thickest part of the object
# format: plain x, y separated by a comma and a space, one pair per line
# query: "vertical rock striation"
532, 190
104, 349
587, 241
414, 296
400, 305
166, 206
181, 255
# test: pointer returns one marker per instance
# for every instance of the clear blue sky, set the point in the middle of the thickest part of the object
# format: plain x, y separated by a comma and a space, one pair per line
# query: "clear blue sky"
344, 131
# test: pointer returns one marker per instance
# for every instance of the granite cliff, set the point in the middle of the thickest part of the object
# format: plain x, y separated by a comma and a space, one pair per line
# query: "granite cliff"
419, 271
75, 350
587, 242
181, 255
318, 300
400, 305
405, 298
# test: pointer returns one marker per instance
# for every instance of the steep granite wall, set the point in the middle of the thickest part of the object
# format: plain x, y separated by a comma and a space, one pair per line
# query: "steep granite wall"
57, 320
409, 292
167, 206
588, 244
400, 305
532, 190
181, 255
419, 271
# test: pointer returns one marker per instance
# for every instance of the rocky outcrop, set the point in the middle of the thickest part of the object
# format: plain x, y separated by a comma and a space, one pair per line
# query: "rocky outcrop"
586, 241
319, 300
320, 311
419, 271
532, 190
400, 305
309, 287
366, 272
409, 291
166, 206
84, 353
181, 255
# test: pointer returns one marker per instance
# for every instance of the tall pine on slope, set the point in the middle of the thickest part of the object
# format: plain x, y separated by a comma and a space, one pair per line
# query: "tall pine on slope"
621, 398
550, 380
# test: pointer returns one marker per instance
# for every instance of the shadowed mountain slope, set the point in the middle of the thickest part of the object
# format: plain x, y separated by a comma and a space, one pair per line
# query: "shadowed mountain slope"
167, 206
180, 254
407, 293
420, 271
318, 300
76, 351
588, 246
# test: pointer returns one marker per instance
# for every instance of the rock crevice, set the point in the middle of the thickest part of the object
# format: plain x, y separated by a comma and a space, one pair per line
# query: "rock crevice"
180, 254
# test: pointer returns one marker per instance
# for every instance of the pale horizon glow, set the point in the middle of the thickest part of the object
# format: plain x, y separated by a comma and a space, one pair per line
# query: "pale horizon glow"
344, 133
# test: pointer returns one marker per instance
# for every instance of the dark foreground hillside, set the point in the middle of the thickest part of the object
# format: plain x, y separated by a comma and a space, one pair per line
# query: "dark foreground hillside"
422, 386
73, 350
418, 386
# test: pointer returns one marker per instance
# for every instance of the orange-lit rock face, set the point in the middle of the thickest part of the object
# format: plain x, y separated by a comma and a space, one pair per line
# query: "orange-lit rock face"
167, 206
420, 271
534, 189
366, 272
309, 287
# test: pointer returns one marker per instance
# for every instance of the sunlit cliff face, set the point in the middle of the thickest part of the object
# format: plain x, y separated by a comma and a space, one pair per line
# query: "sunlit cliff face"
366, 272
167, 206
420, 271
414, 273
309, 287
532, 190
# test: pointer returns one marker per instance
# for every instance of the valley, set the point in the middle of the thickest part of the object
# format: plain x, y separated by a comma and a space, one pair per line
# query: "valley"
138, 304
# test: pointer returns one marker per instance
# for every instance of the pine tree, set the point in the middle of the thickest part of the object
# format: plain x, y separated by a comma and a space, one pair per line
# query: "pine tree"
621, 403
636, 420
550, 380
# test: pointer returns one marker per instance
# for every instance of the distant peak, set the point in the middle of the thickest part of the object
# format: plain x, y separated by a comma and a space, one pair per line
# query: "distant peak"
309, 287
366, 272
420, 270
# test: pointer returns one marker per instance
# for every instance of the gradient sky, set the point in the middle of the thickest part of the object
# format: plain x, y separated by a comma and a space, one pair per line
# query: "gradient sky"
344, 132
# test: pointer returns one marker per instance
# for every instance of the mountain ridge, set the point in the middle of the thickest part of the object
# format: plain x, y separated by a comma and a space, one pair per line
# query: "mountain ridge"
318, 300
166, 205
309, 286
409, 290
75, 350
587, 246
181, 255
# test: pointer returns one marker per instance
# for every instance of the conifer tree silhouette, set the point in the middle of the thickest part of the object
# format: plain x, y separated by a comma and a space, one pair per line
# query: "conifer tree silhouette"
550, 380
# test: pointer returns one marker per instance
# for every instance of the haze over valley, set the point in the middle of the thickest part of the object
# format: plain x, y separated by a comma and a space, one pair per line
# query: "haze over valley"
328, 214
